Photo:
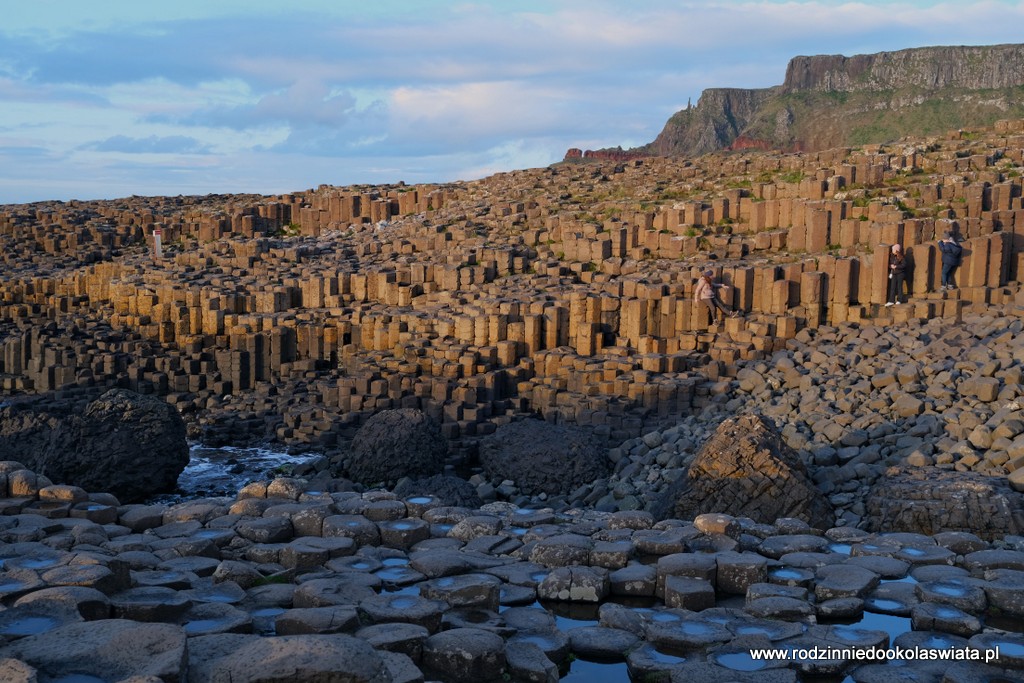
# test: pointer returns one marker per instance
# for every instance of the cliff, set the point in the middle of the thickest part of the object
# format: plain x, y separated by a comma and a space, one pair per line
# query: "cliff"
833, 101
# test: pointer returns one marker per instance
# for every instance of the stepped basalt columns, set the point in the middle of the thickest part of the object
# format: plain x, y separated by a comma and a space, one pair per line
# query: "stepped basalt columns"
564, 291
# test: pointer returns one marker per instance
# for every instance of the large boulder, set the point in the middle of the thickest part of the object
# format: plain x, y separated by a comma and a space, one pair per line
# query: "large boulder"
120, 442
109, 650
746, 470
394, 444
927, 500
541, 457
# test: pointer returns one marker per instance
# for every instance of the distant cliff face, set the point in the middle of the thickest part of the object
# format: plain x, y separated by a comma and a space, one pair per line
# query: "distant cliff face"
718, 119
832, 100
929, 68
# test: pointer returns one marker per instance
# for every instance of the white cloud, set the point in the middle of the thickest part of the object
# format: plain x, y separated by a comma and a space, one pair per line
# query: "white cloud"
355, 92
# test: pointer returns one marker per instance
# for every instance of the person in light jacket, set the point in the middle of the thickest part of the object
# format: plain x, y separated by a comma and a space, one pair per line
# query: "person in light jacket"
706, 293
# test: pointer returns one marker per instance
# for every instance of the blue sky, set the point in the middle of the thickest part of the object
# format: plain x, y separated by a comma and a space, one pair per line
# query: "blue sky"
114, 98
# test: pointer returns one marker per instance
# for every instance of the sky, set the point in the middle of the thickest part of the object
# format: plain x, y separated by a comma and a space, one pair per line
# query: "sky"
100, 100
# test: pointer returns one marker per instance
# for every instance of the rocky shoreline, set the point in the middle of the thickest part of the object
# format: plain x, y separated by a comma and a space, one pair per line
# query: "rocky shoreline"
287, 583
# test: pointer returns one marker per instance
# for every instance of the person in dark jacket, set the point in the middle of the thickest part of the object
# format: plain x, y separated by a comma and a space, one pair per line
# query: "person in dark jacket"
952, 253
897, 275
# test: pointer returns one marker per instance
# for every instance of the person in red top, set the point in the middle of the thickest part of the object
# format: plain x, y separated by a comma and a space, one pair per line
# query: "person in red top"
706, 293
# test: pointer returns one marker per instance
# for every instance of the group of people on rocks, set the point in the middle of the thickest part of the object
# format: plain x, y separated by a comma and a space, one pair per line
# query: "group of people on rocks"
706, 290
952, 253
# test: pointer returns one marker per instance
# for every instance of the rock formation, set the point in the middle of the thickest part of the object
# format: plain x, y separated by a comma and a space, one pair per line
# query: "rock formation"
746, 470
287, 583
543, 458
394, 444
832, 101
122, 442
928, 500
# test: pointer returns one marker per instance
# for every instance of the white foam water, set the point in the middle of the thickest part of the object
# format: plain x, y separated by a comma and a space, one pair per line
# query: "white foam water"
222, 471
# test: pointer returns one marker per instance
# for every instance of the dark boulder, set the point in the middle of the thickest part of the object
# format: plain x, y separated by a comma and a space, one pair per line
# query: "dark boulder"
541, 457
120, 442
453, 491
394, 444
928, 500
746, 470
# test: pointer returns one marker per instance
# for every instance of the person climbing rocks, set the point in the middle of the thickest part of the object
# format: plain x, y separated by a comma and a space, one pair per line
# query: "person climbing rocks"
952, 253
706, 292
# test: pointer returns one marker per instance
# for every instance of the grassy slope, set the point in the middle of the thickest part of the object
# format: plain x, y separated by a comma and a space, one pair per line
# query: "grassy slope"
823, 120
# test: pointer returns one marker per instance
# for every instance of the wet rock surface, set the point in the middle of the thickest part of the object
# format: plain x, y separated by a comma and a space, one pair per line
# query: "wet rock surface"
197, 592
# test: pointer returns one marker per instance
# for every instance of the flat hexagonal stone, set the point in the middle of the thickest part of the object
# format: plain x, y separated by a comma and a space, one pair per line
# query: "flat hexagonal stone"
200, 566
777, 546
737, 571
384, 510
476, 526
349, 588
780, 607
465, 655
357, 527
844, 581
850, 636
28, 620
474, 617
1005, 591
108, 650
149, 604
95, 576
266, 529
284, 659
930, 616
334, 619
696, 566
403, 534
928, 555
466, 590
575, 584
960, 542
403, 609
687, 634
405, 638
210, 618
88, 602
600, 643
790, 576
710, 672
634, 579
984, 560
840, 608
893, 597
688, 593
886, 567
227, 592
1010, 646
511, 595
562, 550
164, 578
663, 541
959, 594
527, 662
